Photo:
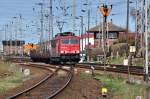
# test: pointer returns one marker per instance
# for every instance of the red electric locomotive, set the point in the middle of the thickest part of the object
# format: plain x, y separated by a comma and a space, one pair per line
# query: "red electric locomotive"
65, 47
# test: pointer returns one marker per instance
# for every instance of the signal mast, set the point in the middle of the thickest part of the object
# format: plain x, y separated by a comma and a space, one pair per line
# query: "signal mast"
105, 11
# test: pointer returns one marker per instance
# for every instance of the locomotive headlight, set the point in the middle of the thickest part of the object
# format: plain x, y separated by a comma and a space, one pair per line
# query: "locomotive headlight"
61, 52
77, 51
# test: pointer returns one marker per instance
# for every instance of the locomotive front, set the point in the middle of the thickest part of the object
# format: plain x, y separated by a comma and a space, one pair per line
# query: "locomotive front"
70, 49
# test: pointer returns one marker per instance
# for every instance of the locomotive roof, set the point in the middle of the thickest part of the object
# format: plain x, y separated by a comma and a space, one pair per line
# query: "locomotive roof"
65, 34
59, 37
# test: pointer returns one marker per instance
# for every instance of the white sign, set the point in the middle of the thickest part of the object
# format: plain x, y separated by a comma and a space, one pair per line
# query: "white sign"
125, 62
139, 97
27, 72
132, 49
87, 71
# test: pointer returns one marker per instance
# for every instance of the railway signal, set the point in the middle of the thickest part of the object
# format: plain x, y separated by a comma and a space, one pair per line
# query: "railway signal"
105, 10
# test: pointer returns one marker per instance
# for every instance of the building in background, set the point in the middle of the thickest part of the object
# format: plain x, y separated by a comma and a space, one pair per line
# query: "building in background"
112, 36
84, 38
13, 47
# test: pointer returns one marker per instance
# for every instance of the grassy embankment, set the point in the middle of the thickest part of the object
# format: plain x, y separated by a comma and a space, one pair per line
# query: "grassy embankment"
10, 76
119, 61
118, 87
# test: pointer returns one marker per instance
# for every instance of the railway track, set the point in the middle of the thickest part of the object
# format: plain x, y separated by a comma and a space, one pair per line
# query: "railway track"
134, 70
49, 86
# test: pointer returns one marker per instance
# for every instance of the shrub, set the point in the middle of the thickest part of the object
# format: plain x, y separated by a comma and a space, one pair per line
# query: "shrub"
121, 48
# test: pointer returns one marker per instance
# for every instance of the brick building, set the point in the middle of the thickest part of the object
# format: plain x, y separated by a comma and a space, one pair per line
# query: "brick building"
113, 34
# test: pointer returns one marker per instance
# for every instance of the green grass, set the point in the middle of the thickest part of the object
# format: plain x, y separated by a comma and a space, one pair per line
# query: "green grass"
11, 81
117, 61
120, 88
139, 62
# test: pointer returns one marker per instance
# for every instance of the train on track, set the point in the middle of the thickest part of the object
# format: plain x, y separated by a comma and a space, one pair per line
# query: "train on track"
64, 48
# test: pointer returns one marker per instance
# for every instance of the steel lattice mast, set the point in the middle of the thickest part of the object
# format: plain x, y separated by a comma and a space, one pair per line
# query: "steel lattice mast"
146, 40
51, 19
74, 14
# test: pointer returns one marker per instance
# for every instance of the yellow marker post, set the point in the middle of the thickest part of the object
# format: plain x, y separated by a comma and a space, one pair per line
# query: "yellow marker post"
104, 92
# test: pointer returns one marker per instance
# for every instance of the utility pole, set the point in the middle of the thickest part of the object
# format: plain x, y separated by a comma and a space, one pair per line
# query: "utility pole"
141, 23
87, 52
41, 20
107, 32
11, 36
74, 14
126, 36
96, 19
6, 29
82, 34
146, 40
15, 35
20, 31
127, 23
136, 28
51, 19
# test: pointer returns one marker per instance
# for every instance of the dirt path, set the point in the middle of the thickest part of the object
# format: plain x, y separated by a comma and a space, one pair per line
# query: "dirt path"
81, 88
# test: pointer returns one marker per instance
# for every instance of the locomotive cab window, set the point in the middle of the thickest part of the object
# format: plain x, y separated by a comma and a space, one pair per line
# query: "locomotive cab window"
65, 41
73, 41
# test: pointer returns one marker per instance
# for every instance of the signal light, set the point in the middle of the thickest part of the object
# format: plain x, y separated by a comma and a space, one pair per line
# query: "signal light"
32, 45
105, 10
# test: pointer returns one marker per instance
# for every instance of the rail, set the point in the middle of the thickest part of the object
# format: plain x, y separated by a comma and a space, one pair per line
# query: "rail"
69, 78
135, 70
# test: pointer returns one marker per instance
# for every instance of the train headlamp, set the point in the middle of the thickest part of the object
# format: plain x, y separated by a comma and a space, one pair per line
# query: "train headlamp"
77, 51
62, 52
